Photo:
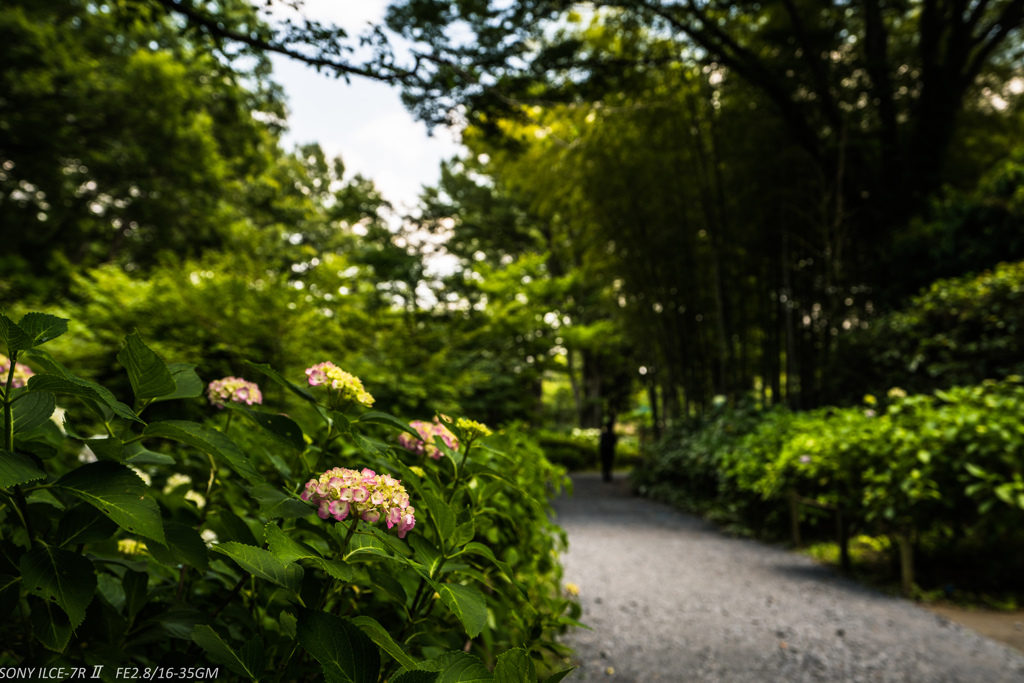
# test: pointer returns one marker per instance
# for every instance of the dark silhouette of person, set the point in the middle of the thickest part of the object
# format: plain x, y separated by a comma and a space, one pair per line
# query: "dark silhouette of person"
606, 448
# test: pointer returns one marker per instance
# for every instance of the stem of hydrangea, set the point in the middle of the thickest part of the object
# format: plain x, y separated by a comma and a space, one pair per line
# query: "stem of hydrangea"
458, 472
21, 505
8, 412
227, 425
350, 534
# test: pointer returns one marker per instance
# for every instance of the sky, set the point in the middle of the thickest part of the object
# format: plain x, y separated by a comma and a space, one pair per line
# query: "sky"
363, 121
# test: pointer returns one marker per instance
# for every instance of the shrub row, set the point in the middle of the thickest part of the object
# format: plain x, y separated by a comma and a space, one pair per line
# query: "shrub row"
945, 465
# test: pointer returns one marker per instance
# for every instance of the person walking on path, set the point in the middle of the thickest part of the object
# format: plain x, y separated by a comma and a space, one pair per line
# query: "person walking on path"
606, 448
670, 598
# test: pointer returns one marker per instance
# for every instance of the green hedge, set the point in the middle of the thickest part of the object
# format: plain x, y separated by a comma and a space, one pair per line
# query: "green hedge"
947, 466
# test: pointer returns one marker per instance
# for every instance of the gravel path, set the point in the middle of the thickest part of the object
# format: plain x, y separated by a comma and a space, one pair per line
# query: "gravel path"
671, 599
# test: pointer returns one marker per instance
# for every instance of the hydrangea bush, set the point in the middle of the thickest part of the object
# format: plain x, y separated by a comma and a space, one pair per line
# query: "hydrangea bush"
294, 545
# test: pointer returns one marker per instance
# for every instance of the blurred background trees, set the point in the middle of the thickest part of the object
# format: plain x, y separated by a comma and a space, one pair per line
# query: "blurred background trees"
660, 206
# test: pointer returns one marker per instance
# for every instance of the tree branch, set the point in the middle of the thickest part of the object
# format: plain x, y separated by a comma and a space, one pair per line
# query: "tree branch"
220, 30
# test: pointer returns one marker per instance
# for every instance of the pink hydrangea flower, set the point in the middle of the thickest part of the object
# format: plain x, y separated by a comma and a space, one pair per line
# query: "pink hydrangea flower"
235, 389
425, 444
348, 386
21, 373
340, 492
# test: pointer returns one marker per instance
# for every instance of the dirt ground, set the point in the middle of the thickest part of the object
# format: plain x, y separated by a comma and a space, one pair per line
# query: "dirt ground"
1006, 627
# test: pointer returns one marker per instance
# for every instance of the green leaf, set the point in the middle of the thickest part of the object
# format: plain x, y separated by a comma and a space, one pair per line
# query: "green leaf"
483, 551
370, 446
458, 667
42, 327
417, 677
136, 589
222, 653
136, 454
262, 564
183, 545
515, 666
464, 533
16, 338
366, 545
380, 418
50, 625
334, 567
976, 471
284, 547
73, 386
118, 493
232, 527
17, 468
32, 410
443, 517
377, 634
283, 430
148, 374
468, 604
207, 440
346, 654
10, 593
83, 524
186, 382
276, 377
277, 504
557, 677
60, 576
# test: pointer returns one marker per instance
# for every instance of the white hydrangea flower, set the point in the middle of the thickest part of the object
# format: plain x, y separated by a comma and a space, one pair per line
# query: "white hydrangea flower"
176, 480
196, 498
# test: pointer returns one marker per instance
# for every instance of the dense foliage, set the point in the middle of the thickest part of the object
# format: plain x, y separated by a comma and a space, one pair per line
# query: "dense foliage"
159, 544
956, 331
945, 470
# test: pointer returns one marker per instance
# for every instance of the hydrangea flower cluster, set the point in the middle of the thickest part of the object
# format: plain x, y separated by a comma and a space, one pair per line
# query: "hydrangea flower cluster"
368, 495
472, 429
425, 444
21, 373
236, 389
348, 386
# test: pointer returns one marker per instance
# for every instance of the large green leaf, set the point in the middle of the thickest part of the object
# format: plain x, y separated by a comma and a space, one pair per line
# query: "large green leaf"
16, 338
17, 468
186, 382
32, 410
346, 654
458, 667
283, 430
515, 666
380, 418
183, 545
148, 374
50, 625
416, 677
119, 493
558, 676
377, 634
444, 518
207, 440
136, 455
467, 603
84, 524
10, 593
276, 377
42, 327
62, 577
69, 385
262, 564
277, 504
284, 547
248, 664
482, 550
